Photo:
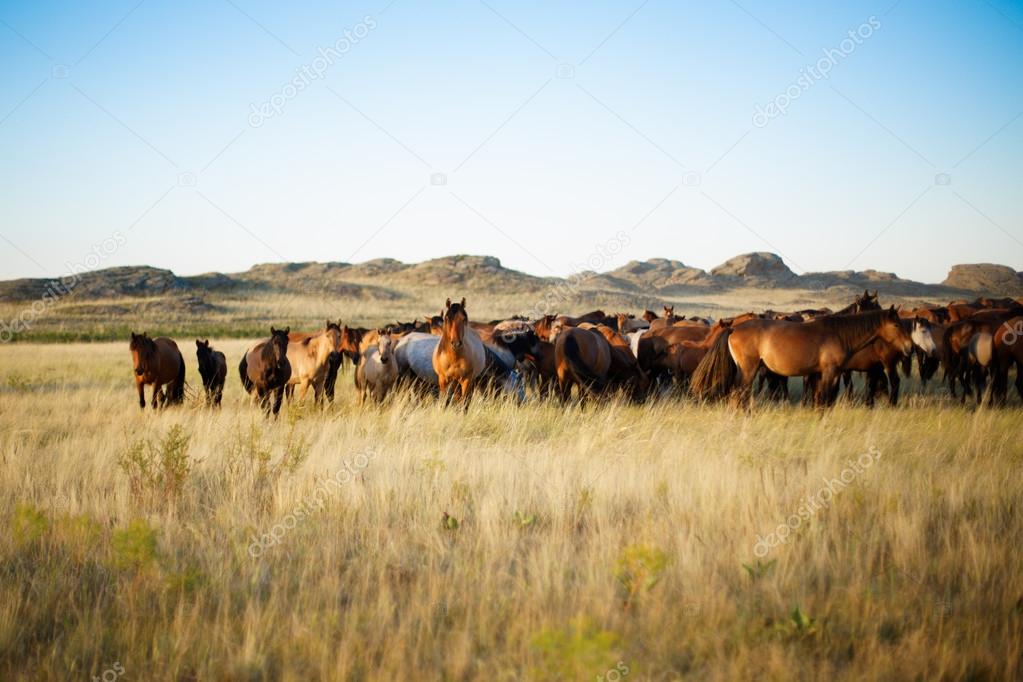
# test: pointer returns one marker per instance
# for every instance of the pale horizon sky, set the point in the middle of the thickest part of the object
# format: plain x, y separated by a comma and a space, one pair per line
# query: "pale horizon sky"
539, 133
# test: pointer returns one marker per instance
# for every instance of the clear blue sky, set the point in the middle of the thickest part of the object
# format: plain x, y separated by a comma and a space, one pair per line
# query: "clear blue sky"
554, 126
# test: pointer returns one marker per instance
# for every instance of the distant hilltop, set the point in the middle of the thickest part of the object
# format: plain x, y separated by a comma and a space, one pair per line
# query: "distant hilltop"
387, 279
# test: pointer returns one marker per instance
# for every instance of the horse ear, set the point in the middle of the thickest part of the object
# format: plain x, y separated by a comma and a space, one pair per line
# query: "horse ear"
463, 301
447, 304
272, 330
198, 343
287, 330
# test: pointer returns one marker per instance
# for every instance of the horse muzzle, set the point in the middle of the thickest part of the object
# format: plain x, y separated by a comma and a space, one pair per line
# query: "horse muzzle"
384, 361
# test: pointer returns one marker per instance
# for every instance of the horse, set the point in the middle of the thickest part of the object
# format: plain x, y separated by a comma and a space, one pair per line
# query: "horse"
628, 323
880, 360
956, 352
157, 362
309, 355
582, 358
377, 372
682, 358
459, 357
265, 370
788, 349
863, 303
212, 369
1008, 350
667, 321
624, 372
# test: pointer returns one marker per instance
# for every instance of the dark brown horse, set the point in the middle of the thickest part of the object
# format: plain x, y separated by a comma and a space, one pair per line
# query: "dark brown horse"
624, 374
791, 349
212, 369
265, 370
157, 362
582, 358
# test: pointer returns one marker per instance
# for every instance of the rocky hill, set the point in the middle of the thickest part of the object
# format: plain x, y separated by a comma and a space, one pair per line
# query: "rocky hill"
986, 278
388, 279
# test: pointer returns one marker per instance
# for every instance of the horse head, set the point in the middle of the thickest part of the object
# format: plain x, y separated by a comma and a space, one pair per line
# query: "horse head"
332, 330
141, 347
892, 331
385, 346
455, 321
867, 301
204, 354
922, 337
279, 345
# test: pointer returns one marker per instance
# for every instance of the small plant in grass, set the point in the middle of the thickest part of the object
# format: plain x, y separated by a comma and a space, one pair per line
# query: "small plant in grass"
760, 569
575, 652
28, 524
524, 520
134, 547
638, 569
157, 471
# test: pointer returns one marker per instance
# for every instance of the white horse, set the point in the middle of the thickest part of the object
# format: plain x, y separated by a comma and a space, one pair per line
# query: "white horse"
377, 370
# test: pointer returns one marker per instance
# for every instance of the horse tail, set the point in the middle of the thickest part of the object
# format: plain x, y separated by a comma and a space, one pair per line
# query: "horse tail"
243, 372
714, 377
582, 374
178, 393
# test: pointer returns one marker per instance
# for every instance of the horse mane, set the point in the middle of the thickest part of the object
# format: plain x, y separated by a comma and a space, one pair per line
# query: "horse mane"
143, 344
851, 329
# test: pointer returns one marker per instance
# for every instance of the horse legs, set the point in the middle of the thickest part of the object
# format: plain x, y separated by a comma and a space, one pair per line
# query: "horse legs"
827, 389
156, 394
894, 381
142, 394
278, 399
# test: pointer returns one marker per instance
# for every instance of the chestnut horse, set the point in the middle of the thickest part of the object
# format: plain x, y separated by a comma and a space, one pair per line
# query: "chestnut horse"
212, 369
788, 349
265, 369
157, 362
459, 357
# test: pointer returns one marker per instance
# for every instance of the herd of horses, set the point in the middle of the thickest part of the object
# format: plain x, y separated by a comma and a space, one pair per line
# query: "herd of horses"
738, 358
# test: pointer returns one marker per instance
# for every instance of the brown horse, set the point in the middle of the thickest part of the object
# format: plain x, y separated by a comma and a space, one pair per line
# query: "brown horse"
157, 362
789, 349
582, 358
212, 369
668, 320
1008, 348
265, 370
460, 357
624, 373
684, 357
880, 360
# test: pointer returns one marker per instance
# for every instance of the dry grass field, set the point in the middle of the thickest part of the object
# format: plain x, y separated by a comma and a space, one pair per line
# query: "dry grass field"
507, 542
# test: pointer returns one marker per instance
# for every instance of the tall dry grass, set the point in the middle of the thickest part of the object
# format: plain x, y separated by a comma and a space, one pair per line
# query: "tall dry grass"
505, 542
